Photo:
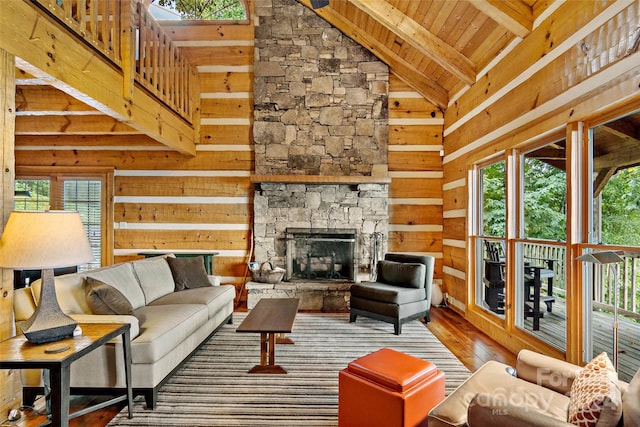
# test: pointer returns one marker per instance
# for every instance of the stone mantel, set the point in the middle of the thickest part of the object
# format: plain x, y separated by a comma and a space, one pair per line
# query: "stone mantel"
320, 179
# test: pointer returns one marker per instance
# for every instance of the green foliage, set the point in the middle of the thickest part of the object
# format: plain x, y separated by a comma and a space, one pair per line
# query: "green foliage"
545, 201
207, 9
39, 191
494, 221
621, 208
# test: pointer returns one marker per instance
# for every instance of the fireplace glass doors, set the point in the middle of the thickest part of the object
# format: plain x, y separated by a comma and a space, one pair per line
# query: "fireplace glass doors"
321, 254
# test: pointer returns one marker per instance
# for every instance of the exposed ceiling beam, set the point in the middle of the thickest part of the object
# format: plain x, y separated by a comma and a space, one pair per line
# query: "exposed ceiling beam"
420, 38
620, 157
514, 15
622, 129
601, 180
426, 87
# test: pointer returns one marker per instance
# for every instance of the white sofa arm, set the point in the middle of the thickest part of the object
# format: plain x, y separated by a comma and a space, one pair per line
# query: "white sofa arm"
110, 318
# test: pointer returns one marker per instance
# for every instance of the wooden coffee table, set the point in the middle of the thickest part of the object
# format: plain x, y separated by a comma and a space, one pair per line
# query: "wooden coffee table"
269, 317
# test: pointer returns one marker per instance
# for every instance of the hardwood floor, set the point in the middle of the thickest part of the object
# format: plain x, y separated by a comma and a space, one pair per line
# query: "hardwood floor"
467, 342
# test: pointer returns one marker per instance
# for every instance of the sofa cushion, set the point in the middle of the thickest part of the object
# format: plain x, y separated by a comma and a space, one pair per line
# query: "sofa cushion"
105, 299
595, 395
188, 272
409, 275
122, 277
165, 327
387, 293
155, 277
69, 293
214, 297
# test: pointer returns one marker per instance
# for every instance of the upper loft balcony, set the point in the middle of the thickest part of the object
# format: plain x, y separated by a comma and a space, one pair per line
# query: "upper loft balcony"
106, 59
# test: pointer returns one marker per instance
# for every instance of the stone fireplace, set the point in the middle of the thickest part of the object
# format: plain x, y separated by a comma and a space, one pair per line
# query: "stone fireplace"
320, 141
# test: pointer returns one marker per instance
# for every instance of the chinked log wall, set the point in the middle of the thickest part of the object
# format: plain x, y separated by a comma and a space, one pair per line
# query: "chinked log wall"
578, 61
173, 202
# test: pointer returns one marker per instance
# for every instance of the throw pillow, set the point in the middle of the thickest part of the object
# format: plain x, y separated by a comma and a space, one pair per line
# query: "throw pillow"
408, 275
105, 299
595, 395
188, 272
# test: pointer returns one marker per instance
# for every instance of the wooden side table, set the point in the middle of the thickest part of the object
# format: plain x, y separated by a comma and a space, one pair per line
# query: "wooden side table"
18, 353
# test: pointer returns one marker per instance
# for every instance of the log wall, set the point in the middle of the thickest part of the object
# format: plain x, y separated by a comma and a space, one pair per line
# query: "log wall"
169, 202
578, 63
415, 168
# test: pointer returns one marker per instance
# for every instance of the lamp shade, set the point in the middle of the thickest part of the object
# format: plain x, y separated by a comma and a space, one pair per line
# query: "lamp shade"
44, 240
604, 257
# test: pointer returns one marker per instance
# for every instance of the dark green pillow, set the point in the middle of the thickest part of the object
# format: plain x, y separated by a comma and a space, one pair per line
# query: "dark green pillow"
188, 272
408, 275
105, 299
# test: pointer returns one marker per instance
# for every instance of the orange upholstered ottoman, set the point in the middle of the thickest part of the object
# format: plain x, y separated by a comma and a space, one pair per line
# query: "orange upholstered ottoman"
388, 388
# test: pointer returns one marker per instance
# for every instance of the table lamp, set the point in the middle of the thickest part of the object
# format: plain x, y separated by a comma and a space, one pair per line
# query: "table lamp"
611, 258
45, 240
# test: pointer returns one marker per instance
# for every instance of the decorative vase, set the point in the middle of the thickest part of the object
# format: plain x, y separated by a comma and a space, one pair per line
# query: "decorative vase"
436, 295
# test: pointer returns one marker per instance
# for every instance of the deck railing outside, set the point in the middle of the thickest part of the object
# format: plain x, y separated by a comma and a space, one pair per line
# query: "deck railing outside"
156, 61
603, 295
628, 289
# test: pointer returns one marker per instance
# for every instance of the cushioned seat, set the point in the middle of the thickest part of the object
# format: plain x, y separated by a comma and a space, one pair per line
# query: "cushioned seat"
214, 297
402, 291
388, 388
387, 293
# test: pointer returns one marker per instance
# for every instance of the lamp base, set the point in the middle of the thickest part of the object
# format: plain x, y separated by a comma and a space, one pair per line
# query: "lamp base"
48, 323
48, 334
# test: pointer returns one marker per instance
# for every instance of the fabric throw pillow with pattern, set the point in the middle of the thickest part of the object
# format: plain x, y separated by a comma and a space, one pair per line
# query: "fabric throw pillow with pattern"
188, 272
595, 395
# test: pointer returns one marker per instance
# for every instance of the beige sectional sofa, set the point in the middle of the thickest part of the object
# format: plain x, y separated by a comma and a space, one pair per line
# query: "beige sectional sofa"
167, 325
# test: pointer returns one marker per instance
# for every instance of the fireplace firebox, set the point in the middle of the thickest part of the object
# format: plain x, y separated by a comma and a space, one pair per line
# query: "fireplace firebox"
321, 254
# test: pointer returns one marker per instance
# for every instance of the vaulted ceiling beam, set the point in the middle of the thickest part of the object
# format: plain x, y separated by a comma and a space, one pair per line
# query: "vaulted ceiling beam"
426, 87
514, 15
420, 38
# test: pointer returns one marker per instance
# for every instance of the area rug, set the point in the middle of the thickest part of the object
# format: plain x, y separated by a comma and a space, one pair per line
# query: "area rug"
214, 389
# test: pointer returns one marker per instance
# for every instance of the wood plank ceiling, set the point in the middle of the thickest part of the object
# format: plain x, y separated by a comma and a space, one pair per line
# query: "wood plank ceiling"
437, 47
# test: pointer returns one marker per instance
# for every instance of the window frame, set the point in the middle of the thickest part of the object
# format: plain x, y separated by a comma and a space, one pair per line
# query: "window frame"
104, 174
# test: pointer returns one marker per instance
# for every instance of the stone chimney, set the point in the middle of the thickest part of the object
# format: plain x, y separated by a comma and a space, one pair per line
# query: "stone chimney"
321, 112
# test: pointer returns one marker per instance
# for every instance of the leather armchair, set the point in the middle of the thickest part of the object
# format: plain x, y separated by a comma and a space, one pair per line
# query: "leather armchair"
402, 291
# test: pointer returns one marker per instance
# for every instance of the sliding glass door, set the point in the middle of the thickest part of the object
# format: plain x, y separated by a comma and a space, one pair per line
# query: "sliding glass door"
614, 224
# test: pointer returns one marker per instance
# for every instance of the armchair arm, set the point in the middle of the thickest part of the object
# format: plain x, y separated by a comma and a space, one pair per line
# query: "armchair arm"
546, 371
485, 410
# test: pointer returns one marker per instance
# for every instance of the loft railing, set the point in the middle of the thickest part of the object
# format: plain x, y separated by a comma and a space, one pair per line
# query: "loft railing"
145, 55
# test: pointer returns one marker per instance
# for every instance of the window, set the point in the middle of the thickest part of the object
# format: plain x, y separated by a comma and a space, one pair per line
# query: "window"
491, 262
85, 193
210, 10
540, 249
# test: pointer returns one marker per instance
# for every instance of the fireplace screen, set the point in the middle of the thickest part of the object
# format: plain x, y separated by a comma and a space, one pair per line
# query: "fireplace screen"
321, 254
